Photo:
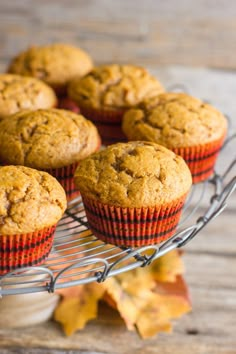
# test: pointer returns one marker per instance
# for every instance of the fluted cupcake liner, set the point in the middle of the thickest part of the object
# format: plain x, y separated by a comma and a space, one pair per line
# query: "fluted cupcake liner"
23, 250
65, 175
133, 227
107, 122
201, 159
66, 102
110, 133
102, 115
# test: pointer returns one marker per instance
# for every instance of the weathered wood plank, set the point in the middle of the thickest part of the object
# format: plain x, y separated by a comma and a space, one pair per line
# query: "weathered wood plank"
150, 33
208, 329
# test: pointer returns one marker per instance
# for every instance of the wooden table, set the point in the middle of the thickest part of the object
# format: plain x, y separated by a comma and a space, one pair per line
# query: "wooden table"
117, 32
148, 32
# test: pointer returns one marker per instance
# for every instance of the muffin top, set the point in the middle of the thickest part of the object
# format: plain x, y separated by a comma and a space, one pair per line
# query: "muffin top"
30, 200
46, 138
56, 64
113, 87
18, 92
134, 174
174, 120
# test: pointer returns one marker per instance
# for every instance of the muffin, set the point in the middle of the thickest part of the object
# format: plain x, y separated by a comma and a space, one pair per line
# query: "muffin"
133, 193
31, 204
51, 140
18, 93
186, 125
108, 91
56, 64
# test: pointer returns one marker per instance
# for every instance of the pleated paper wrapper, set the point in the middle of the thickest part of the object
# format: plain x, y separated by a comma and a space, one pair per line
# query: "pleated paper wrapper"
133, 227
107, 122
201, 159
23, 250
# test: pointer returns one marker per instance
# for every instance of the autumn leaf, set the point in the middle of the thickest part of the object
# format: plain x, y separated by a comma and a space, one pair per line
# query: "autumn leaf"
168, 301
122, 301
158, 310
146, 298
74, 312
167, 267
146, 309
177, 288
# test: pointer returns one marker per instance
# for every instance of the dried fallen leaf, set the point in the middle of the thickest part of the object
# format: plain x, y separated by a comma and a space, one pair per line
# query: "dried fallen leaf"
162, 307
74, 312
147, 309
166, 268
146, 298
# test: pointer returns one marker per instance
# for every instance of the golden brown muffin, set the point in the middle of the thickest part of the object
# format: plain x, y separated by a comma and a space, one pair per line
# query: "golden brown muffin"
174, 120
108, 91
135, 174
18, 93
184, 124
133, 193
31, 204
46, 139
114, 87
53, 140
56, 64
30, 200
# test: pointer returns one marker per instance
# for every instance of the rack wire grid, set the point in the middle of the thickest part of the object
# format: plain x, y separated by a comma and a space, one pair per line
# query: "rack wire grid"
78, 257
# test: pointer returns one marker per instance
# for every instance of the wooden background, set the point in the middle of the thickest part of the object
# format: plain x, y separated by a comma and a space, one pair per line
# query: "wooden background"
181, 42
150, 32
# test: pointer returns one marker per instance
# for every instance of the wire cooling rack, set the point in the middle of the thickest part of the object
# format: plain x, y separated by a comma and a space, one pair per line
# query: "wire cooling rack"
78, 257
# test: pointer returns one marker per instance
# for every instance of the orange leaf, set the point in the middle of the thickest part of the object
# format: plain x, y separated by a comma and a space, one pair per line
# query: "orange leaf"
170, 300
155, 315
167, 267
146, 298
178, 288
145, 303
74, 312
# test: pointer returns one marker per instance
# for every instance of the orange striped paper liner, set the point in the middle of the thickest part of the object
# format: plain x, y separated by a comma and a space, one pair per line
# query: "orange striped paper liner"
65, 175
133, 227
108, 123
68, 104
102, 115
23, 250
110, 133
201, 159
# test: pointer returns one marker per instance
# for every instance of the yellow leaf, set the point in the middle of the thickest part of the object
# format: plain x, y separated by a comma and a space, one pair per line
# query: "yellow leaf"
74, 312
155, 315
146, 298
123, 300
167, 267
145, 303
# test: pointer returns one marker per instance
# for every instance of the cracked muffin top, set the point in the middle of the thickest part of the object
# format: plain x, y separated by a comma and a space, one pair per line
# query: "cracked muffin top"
174, 120
112, 87
134, 174
30, 200
49, 138
18, 92
56, 64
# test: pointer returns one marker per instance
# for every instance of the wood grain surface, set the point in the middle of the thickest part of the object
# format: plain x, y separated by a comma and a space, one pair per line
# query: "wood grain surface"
150, 32
209, 329
171, 38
